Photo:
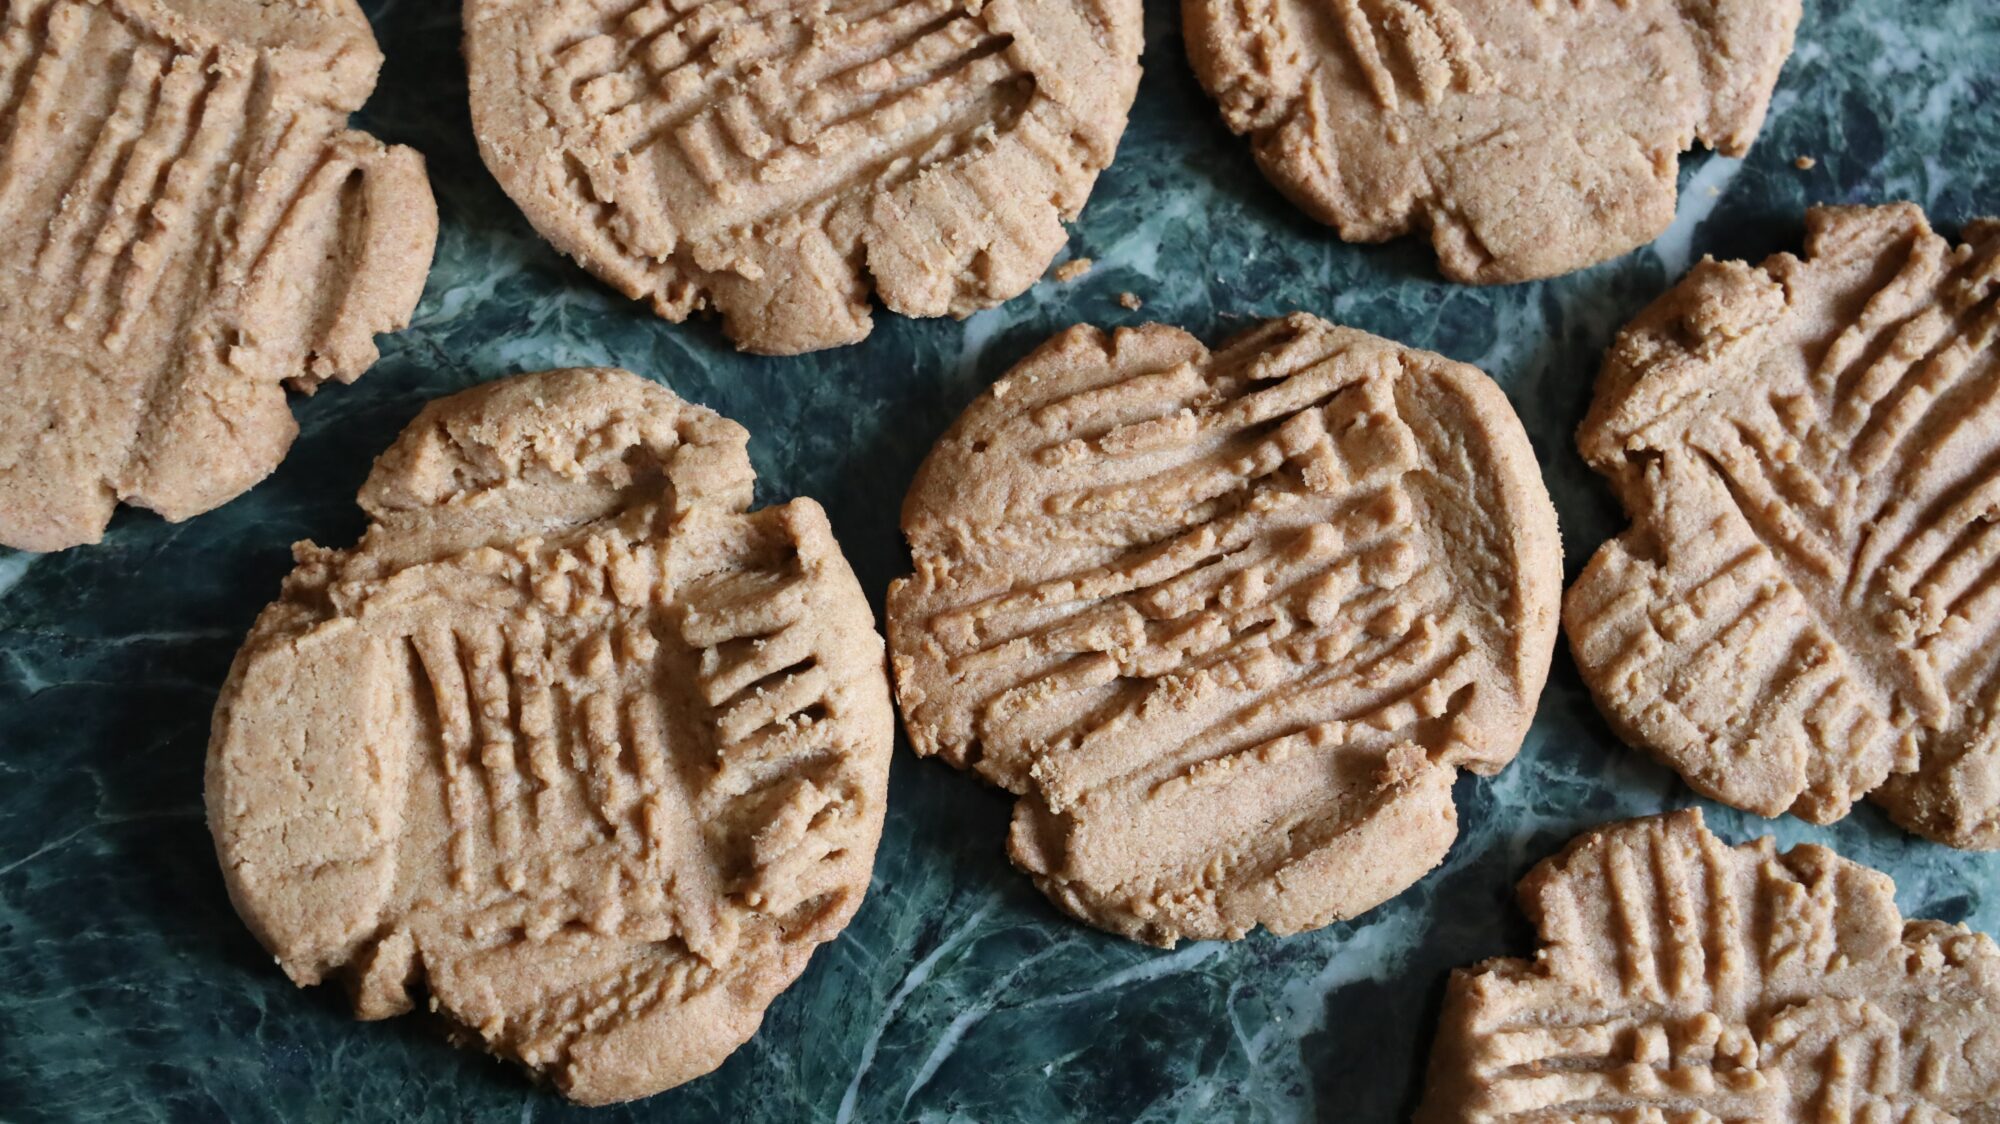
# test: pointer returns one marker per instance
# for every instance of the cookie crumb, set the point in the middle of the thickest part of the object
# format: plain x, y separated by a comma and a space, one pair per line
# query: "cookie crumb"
1131, 301
1073, 269
1805, 163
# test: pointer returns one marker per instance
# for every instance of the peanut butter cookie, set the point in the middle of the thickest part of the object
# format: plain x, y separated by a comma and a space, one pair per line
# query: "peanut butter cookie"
1804, 610
778, 161
572, 741
1228, 624
186, 225
1529, 139
1681, 979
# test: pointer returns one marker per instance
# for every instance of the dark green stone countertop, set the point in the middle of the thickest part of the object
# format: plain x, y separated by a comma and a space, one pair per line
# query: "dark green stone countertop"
129, 991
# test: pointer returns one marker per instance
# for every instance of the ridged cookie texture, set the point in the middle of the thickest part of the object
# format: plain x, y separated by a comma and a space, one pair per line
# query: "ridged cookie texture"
1228, 624
1528, 137
1683, 980
777, 160
186, 224
572, 740
1805, 608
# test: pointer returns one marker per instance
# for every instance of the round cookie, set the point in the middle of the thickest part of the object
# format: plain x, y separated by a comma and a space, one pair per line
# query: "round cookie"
186, 225
1528, 139
572, 741
1805, 607
1228, 624
779, 161
1681, 979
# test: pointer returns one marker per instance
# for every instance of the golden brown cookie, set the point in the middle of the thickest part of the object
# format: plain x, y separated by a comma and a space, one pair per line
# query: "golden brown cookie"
186, 223
1681, 979
1529, 139
1805, 608
779, 161
1227, 624
572, 741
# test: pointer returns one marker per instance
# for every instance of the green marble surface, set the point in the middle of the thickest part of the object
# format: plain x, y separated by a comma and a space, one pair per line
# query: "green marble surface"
129, 990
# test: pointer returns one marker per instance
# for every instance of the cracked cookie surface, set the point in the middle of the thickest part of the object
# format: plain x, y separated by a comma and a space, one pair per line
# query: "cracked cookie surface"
1527, 139
186, 225
1228, 624
571, 741
1681, 979
778, 162
1803, 612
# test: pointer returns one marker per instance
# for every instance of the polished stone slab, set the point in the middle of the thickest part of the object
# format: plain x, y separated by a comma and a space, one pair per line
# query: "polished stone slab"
129, 991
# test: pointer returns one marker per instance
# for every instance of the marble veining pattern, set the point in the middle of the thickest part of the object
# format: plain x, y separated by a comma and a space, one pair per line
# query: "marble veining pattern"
129, 991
